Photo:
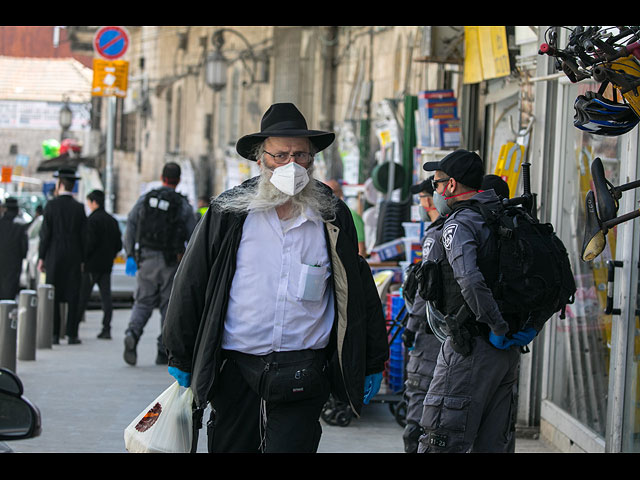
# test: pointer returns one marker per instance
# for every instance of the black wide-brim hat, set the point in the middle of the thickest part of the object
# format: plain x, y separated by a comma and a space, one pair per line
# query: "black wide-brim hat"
283, 120
66, 173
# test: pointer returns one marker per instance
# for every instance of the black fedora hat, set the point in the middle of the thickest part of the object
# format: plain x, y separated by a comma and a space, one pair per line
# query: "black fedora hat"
66, 173
283, 120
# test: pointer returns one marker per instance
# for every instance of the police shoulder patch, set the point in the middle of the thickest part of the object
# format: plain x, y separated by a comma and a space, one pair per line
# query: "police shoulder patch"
428, 244
447, 235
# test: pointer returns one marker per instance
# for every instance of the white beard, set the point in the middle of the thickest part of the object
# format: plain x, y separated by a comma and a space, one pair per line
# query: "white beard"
266, 196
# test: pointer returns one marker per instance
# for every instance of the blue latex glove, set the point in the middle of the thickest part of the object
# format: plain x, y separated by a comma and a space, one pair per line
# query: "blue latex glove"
524, 337
371, 386
183, 378
500, 341
130, 267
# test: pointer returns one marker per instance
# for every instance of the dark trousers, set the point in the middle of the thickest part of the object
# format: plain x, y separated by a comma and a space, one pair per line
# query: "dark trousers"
104, 286
72, 319
242, 423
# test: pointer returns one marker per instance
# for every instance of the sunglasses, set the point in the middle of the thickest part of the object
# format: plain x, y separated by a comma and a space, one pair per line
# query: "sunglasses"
435, 182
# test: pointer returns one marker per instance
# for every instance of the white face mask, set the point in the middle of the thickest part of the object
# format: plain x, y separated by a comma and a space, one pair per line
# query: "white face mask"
290, 178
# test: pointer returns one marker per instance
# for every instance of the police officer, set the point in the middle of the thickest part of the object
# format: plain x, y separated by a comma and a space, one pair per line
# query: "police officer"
154, 268
469, 404
417, 335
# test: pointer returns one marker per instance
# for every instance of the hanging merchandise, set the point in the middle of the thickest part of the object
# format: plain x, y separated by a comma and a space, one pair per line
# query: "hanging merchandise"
512, 155
165, 426
381, 173
349, 153
508, 167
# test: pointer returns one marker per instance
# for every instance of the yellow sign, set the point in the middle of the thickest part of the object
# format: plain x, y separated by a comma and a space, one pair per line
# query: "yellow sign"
110, 78
508, 167
486, 53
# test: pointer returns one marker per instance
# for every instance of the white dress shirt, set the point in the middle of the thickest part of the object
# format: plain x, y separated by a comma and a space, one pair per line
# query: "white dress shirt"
280, 297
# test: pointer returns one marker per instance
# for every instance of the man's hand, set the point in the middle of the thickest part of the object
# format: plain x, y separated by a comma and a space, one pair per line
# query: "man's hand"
130, 267
41, 265
500, 341
371, 386
183, 378
524, 337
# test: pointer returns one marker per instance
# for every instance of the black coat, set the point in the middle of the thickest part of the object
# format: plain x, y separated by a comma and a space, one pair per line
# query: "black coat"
194, 320
103, 242
13, 248
62, 243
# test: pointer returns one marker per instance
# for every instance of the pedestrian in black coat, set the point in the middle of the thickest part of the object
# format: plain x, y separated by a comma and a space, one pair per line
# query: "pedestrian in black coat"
61, 252
102, 243
13, 248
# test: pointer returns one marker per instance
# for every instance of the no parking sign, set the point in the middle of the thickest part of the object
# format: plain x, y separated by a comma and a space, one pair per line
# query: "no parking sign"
111, 42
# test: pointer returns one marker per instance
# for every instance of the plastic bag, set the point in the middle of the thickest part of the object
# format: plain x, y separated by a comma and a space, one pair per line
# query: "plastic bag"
165, 426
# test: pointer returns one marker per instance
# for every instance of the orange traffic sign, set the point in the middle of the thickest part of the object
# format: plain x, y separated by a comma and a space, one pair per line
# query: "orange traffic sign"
5, 175
110, 78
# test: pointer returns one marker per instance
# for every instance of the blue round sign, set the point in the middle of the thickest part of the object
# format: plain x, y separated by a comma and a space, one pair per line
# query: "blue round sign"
111, 42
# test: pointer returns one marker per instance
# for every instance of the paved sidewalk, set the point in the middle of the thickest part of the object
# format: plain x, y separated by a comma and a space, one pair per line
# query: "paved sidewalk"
87, 396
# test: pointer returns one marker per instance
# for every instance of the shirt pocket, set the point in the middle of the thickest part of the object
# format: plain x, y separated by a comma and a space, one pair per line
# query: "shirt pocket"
312, 282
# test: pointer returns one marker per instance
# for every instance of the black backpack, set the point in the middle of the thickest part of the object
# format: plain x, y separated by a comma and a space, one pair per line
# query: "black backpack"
534, 277
160, 226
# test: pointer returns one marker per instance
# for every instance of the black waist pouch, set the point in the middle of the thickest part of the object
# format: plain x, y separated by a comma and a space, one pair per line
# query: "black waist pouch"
284, 376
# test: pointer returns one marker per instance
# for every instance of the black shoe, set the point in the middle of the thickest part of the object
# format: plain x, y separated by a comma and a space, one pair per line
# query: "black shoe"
55, 340
130, 343
73, 341
161, 358
105, 334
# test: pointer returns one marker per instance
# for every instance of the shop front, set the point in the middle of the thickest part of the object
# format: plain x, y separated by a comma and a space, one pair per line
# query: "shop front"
589, 373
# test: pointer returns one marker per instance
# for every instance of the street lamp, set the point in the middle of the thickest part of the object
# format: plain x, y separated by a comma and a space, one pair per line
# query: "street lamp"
216, 70
65, 119
216, 63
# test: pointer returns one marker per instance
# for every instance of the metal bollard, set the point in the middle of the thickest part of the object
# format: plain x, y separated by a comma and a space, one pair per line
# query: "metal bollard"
27, 324
8, 328
46, 294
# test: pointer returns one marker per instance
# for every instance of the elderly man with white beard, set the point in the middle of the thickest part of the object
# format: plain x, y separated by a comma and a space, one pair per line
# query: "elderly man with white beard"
272, 308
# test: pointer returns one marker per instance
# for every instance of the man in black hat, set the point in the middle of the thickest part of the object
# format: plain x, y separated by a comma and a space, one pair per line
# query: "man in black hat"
13, 248
61, 252
470, 400
272, 308
158, 228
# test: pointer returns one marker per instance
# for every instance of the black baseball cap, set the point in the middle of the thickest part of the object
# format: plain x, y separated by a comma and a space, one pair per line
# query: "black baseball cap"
464, 166
424, 186
497, 184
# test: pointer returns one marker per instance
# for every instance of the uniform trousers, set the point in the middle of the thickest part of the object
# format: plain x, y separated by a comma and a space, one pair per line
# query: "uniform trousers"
420, 367
470, 404
154, 280
242, 422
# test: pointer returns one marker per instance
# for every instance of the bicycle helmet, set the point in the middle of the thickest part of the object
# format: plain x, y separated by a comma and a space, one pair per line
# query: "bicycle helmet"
600, 116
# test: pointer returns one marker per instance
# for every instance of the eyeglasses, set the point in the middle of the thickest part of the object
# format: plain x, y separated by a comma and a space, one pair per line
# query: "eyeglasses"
435, 182
301, 158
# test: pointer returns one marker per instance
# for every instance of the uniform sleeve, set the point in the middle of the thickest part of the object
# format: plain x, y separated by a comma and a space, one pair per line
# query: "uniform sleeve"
461, 248
132, 226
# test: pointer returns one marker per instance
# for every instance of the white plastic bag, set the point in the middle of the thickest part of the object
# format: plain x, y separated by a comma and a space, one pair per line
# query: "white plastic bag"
164, 426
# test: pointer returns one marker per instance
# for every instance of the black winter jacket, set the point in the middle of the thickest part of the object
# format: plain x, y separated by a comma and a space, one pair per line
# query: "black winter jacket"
102, 243
193, 326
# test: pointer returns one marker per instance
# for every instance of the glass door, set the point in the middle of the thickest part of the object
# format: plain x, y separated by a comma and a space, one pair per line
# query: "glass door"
626, 418
580, 344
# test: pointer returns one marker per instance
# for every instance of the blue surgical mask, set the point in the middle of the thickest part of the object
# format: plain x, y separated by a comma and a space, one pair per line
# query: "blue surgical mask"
440, 203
